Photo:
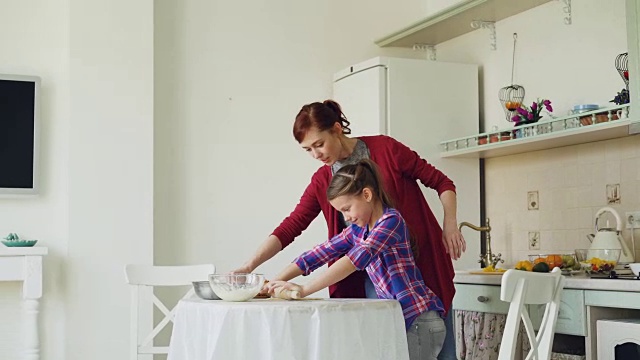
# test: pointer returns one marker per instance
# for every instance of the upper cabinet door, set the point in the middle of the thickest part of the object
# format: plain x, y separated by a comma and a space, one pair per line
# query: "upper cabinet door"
362, 95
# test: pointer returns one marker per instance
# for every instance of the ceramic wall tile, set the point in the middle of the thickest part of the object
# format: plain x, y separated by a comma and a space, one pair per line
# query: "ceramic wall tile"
570, 172
532, 221
546, 241
558, 220
629, 170
546, 220
599, 175
555, 177
572, 218
572, 186
612, 171
625, 148
590, 153
585, 219
536, 180
584, 195
585, 175
571, 197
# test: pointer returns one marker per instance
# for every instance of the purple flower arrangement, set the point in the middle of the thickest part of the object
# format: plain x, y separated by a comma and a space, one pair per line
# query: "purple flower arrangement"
528, 115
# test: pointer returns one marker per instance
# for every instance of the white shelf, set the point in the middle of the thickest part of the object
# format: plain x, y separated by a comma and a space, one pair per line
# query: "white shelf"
575, 136
23, 251
456, 20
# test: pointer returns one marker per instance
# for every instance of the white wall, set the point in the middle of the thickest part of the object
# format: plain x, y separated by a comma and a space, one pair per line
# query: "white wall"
229, 82
570, 65
34, 40
110, 169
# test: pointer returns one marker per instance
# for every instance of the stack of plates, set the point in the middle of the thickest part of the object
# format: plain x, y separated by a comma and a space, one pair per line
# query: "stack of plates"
584, 108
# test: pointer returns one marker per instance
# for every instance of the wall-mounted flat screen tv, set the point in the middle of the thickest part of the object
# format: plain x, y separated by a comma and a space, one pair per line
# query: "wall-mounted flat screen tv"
19, 126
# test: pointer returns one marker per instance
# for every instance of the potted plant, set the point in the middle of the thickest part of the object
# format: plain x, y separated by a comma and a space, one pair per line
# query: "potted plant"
621, 98
529, 115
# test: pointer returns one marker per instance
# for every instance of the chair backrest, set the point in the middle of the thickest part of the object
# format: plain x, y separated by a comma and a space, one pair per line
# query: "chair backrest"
146, 277
522, 288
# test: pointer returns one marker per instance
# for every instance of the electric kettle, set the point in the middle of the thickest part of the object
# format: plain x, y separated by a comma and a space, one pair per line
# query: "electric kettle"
609, 238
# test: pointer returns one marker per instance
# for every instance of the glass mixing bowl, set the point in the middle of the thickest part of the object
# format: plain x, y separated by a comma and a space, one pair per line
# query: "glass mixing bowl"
236, 287
600, 261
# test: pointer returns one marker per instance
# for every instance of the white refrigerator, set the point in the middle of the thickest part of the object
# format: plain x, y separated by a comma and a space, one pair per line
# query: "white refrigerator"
420, 103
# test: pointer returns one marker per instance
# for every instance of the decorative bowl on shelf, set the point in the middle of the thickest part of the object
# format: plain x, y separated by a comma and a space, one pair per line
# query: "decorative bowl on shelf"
19, 243
236, 287
13, 240
598, 261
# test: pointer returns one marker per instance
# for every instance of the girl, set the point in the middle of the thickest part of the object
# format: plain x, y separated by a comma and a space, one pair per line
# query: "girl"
377, 241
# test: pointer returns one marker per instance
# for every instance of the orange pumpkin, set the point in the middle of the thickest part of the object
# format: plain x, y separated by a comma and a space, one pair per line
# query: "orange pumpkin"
554, 261
539, 260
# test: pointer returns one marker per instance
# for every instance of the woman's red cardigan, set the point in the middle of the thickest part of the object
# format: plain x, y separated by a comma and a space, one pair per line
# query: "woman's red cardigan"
400, 167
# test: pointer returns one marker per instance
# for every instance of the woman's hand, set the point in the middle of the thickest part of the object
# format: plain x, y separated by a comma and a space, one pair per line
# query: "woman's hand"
244, 269
274, 288
453, 240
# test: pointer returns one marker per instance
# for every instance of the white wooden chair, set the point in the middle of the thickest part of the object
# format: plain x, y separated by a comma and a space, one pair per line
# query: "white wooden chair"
522, 288
145, 277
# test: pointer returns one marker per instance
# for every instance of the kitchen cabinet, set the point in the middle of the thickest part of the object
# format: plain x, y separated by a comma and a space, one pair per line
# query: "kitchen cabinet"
584, 302
482, 298
572, 316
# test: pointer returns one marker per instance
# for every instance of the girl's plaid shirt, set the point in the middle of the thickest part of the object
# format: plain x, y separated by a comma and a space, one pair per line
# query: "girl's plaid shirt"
385, 252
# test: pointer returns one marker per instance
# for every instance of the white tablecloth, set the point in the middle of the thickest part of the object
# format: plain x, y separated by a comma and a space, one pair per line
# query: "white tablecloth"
273, 329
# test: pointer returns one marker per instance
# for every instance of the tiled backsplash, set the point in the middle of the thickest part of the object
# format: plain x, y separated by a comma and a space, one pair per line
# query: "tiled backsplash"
572, 186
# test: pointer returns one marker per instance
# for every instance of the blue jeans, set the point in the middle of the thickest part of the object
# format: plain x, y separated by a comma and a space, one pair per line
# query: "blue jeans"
449, 347
448, 351
425, 336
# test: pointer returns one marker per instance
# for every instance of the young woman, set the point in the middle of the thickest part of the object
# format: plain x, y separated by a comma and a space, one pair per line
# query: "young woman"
377, 240
321, 129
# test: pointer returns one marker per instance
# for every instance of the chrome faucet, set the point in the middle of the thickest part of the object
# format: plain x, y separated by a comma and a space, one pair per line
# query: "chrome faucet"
486, 259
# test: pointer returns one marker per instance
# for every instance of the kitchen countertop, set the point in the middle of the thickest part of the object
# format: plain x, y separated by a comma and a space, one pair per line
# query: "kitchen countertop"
581, 282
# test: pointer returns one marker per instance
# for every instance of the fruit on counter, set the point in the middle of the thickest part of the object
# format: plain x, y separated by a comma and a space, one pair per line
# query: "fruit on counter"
524, 265
538, 260
568, 261
563, 261
554, 261
541, 267
490, 268
598, 265
576, 266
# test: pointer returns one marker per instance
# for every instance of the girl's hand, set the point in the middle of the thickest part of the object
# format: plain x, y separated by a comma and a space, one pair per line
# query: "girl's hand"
453, 240
275, 287
265, 288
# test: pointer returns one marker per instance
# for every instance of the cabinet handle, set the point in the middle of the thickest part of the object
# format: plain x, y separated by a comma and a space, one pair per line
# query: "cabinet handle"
483, 298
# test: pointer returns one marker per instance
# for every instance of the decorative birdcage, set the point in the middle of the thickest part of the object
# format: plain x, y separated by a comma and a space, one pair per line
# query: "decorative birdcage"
512, 96
622, 65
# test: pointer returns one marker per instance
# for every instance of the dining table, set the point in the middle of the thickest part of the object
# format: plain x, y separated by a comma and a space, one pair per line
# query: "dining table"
276, 329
